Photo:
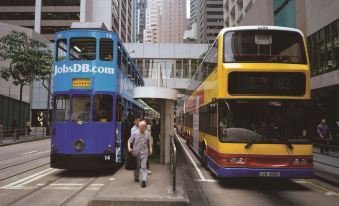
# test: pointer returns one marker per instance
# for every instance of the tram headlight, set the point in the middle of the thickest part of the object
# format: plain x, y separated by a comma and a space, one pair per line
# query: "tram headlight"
79, 145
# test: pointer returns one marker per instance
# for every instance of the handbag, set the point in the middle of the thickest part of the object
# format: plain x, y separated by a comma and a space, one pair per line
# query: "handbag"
131, 162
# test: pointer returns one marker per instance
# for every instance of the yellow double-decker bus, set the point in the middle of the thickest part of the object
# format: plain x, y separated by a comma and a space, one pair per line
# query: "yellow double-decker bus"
247, 113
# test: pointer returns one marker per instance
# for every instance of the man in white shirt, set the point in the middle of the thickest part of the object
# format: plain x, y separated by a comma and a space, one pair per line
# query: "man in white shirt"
142, 148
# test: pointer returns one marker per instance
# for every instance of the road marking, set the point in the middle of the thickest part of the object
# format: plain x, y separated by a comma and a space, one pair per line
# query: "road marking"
325, 189
18, 184
202, 178
206, 180
29, 153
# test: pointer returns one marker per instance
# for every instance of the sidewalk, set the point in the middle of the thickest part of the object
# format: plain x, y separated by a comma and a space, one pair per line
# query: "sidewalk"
326, 167
21, 139
122, 190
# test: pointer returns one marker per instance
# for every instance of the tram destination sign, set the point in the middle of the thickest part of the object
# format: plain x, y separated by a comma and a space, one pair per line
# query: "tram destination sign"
81, 82
267, 83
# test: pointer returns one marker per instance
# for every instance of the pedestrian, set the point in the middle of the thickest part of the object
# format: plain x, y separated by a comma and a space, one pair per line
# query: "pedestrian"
135, 128
337, 127
324, 134
155, 132
14, 126
142, 148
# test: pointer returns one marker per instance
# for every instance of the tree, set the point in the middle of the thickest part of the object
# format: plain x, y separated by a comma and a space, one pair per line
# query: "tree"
28, 59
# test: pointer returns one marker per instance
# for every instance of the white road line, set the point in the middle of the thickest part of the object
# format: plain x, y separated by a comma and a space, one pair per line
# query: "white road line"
206, 180
29, 152
29, 179
202, 178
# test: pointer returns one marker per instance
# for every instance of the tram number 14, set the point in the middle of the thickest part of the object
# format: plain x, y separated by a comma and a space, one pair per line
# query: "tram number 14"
108, 157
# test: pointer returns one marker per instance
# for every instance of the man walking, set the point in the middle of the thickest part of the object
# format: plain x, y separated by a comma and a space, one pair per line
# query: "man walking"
142, 147
324, 134
135, 128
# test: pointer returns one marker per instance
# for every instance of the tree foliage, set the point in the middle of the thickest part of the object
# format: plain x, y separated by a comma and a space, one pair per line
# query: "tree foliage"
28, 59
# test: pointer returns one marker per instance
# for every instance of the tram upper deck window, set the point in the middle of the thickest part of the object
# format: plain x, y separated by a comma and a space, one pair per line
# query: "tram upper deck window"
61, 50
80, 108
82, 49
102, 108
106, 49
61, 108
264, 46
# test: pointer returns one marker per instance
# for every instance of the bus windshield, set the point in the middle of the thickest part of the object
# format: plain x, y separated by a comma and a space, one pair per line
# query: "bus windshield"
263, 46
263, 121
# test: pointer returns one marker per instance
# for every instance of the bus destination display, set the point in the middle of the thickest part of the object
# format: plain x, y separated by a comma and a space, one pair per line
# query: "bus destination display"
267, 83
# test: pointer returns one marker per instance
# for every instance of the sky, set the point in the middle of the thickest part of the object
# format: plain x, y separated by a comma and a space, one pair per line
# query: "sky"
188, 9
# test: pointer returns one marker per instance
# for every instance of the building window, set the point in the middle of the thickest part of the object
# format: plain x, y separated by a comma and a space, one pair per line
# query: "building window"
323, 47
82, 49
61, 2
17, 3
17, 16
60, 16
52, 29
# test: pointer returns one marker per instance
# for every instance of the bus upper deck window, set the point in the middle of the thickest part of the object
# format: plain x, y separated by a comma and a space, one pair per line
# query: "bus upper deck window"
61, 50
82, 48
106, 49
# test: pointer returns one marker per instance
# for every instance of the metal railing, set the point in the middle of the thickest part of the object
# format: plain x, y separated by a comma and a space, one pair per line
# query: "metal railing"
173, 161
9, 136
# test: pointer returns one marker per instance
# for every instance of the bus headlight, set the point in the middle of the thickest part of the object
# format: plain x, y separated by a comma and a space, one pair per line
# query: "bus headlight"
79, 145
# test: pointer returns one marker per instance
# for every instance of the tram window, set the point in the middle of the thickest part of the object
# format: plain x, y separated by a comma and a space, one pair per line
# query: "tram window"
106, 49
102, 108
129, 70
61, 50
61, 108
119, 56
82, 49
81, 108
119, 110
123, 64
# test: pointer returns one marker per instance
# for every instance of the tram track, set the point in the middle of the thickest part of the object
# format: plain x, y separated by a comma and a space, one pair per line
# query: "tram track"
22, 172
34, 191
25, 154
24, 162
77, 193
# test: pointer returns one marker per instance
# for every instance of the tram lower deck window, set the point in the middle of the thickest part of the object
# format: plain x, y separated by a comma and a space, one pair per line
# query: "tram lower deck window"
82, 49
81, 108
102, 108
61, 108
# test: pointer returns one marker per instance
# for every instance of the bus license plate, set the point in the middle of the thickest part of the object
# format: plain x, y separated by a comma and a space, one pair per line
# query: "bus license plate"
269, 174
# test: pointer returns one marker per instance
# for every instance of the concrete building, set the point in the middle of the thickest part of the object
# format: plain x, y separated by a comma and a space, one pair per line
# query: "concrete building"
49, 16
165, 21
153, 20
194, 6
210, 20
116, 14
235, 10
10, 106
44, 16
173, 21
138, 20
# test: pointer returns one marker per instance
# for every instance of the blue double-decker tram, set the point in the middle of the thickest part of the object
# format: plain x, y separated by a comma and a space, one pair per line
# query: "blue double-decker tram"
93, 103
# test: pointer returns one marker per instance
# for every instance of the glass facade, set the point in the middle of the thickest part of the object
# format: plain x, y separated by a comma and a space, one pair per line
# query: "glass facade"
323, 47
168, 68
285, 13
